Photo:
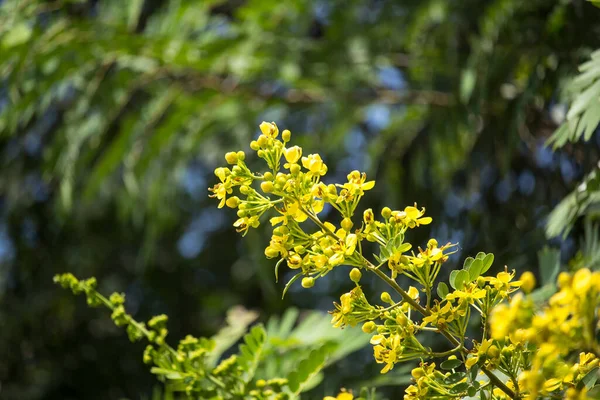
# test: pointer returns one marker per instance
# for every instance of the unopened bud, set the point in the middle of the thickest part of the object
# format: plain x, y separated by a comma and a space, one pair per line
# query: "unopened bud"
286, 135
232, 202
231, 157
386, 298
386, 212
347, 224
369, 327
527, 281
308, 282
266, 186
355, 275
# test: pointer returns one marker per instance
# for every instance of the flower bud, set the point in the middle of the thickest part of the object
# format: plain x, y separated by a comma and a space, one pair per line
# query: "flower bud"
432, 243
527, 281
267, 186
493, 352
260, 153
386, 298
369, 327
241, 155
231, 157
270, 252
244, 189
294, 169
355, 275
386, 212
347, 224
254, 145
308, 282
401, 319
268, 176
564, 280
286, 135
233, 202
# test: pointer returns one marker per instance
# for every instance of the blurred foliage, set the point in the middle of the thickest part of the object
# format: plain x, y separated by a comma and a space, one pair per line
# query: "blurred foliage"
113, 115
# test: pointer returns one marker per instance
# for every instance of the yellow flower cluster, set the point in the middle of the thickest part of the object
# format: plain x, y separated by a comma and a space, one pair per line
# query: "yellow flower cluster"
293, 189
544, 340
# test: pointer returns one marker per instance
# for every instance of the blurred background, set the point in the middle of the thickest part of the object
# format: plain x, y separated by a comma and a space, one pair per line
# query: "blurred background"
113, 116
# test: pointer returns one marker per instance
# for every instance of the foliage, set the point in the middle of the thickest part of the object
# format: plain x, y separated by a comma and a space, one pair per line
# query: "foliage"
276, 362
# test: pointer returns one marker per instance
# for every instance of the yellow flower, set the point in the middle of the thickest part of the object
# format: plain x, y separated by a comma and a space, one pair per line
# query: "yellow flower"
341, 396
292, 155
314, 164
468, 295
269, 129
502, 283
527, 281
411, 217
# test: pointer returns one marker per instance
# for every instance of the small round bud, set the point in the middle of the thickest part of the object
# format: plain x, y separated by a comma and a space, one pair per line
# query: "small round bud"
369, 327
386, 298
260, 153
261, 383
268, 176
270, 252
241, 213
506, 352
308, 282
294, 169
432, 243
527, 281
231, 157
241, 155
386, 212
262, 141
300, 249
244, 189
564, 280
347, 224
267, 186
493, 351
480, 281
233, 202
401, 319
355, 275
254, 145
286, 135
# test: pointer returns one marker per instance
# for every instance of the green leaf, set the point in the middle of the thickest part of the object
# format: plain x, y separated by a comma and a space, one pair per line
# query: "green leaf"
250, 351
17, 35
453, 276
467, 263
467, 84
451, 364
475, 269
238, 320
442, 290
488, 260
549, 265
308, 368
589, 380
458, 278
